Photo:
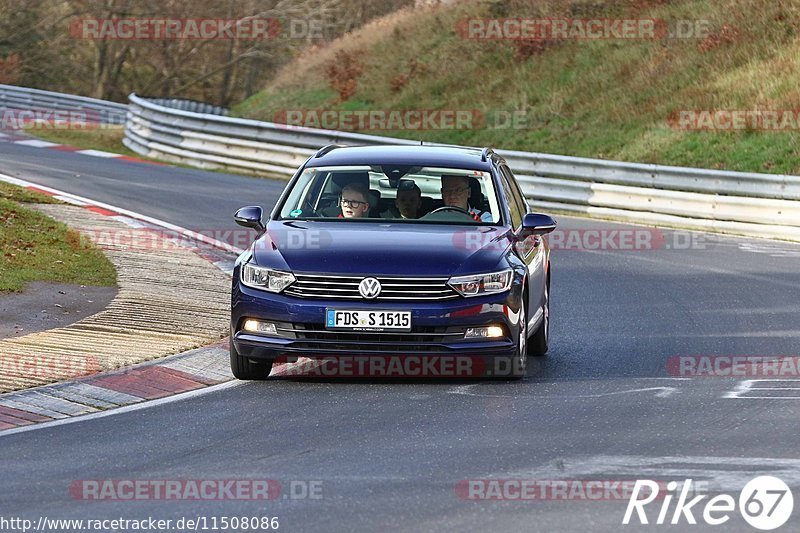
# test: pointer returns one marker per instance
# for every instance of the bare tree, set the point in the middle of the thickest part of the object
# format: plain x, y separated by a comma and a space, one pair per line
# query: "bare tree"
42, 45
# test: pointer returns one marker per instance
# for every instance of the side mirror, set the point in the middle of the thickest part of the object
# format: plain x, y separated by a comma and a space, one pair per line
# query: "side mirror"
250, 217
537, 224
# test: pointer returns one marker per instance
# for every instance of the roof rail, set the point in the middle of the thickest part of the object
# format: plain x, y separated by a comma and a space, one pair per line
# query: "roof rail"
448, 145
486, 153
325, 149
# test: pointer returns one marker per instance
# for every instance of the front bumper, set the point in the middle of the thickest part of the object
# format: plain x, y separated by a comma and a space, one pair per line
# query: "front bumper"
437, 327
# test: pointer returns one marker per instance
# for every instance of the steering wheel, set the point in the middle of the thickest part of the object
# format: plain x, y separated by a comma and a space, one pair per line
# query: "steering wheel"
451, 208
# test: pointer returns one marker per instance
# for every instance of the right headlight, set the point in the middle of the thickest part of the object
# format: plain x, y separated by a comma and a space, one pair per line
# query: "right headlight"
480, 284
266, 279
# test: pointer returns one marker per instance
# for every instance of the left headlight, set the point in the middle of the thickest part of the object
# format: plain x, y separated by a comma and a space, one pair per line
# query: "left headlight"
266, 279
479, 284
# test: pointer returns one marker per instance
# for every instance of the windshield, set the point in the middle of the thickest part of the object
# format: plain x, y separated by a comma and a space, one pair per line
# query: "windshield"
417, 194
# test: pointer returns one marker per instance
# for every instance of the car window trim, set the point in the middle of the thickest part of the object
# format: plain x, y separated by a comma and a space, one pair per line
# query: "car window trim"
505, 172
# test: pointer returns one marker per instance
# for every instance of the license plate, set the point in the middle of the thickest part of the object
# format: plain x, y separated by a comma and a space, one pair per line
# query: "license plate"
367, 320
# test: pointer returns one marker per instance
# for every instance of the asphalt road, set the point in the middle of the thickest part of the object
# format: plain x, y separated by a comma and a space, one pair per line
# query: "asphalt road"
603, 405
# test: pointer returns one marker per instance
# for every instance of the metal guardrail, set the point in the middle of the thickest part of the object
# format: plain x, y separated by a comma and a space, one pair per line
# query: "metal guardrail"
763, 205
210, 141
202, 135
190, 105
38, 102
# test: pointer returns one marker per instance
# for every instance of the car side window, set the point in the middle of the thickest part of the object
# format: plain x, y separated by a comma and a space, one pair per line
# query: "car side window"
519, 194
512, 196
516, 190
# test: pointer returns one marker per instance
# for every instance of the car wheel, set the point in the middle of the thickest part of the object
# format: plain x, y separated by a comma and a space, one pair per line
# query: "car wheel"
539, 341
520, 362
244, 368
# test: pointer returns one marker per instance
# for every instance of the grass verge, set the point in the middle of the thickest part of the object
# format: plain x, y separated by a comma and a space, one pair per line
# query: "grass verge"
606, 98
108, 139
35, 247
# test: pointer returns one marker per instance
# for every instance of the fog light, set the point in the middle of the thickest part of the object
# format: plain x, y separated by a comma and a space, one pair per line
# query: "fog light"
256, 326
484, 333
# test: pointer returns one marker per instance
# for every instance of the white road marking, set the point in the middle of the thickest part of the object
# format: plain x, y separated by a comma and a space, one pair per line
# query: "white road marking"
98, 153
705, 268
125, 409
36, 143
465, 390
162, 223
776, 249
129, 221
70, 201
747, 386
669, 378
721, 473
780, 334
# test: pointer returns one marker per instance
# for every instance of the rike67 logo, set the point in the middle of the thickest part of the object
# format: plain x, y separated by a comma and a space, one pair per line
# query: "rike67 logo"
765, 503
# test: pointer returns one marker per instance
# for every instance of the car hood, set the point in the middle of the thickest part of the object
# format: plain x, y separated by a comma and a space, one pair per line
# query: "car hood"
381, 249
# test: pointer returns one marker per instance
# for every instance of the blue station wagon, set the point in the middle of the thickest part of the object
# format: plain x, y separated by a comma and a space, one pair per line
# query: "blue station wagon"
402, 251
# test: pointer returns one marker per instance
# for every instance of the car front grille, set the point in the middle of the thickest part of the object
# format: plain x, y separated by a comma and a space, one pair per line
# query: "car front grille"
419, 339
392, 288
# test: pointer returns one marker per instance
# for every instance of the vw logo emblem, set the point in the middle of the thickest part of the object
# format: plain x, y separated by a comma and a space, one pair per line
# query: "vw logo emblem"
369, 288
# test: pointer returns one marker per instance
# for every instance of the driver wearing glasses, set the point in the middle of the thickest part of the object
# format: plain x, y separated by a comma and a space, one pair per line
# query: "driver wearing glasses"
354, 202
456, 193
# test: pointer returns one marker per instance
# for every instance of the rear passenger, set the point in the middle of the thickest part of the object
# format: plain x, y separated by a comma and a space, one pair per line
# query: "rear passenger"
408, 202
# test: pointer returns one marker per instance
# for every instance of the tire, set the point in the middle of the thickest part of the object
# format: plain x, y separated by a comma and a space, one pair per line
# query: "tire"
244, 368
540, 340
519, 365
